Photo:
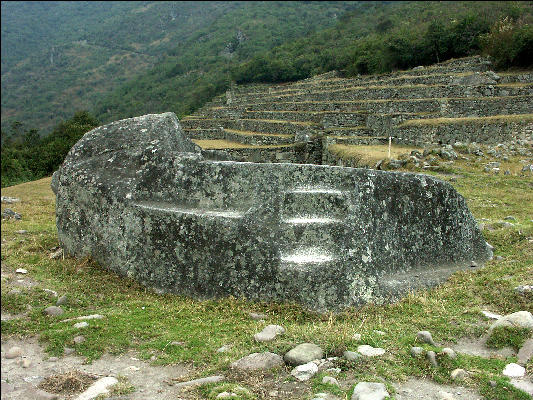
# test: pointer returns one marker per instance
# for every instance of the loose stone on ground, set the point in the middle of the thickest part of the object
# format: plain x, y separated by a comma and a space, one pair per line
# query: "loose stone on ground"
269, 333
303, 353
304, 372
370, 391
370, 351
53, 311
258, 361
100, 387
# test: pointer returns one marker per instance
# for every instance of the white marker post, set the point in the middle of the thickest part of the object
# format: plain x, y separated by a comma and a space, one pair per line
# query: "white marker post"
390, 141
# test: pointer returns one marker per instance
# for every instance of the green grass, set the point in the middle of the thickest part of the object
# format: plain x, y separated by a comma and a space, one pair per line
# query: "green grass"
508, 336
136, 318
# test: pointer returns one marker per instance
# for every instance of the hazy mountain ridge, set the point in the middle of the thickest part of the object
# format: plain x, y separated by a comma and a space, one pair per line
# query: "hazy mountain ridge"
59, 57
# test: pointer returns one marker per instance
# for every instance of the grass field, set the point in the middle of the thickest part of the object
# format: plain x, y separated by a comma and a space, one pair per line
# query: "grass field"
149, 323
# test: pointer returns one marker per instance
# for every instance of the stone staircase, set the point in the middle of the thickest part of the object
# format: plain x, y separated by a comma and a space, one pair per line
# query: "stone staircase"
458, 100
310, 216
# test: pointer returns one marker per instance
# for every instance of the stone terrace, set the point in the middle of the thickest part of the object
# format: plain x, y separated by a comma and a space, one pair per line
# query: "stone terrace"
460, 100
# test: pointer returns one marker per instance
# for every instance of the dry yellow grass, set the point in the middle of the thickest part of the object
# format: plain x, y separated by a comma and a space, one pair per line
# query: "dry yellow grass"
250, 133
280, 121
469, 120
221, 144
368, 154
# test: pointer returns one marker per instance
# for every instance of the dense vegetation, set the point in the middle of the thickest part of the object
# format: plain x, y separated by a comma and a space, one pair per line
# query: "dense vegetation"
61, 57
402, 36
26, 156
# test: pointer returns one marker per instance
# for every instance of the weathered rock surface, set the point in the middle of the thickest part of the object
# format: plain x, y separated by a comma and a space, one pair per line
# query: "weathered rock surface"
520, 319
53, 311
303, 353
201, 381
369, 391
269, 333
370, 351
304, 372
100, 387
258, 361
514, 370
349, 236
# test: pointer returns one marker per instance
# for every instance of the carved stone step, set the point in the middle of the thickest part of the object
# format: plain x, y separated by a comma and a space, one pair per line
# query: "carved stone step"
309, 256
199, 212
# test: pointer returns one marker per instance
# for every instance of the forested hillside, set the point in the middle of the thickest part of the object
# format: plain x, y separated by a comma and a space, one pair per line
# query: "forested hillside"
60, 57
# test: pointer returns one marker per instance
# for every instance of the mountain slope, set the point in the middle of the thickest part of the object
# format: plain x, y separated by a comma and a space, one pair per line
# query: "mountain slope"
59, 57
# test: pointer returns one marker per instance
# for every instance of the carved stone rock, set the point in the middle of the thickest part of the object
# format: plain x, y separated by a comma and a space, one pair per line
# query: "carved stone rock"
140, 198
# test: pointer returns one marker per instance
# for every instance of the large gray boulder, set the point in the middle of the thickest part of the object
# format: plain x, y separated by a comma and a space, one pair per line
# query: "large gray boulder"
138, 197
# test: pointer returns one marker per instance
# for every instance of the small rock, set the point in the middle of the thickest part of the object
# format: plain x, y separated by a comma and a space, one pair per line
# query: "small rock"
68, 351
21, 271
381, 333
269, 333
432, 358
10, 214
493, 384
523, 289
13, 352
51, 292
491, 315
520, 319
514, 370
443, 395
356, 336
25, 363
81, 325
257, 316
523, 384
325, 396
369, 391
201, 381
473, 264
21, 231
10, 200
53, 311
458, 374
417, 351
225, 395
450, 353
56, 254
100, 387
330, 380
305, 372
79, 339
15, 291
370, 351
510, 218
425, 337
351, 355
258, 361
526, 352
62, 300
52, 359
303, 353
224, 348
84, 317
